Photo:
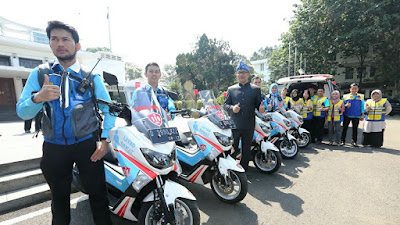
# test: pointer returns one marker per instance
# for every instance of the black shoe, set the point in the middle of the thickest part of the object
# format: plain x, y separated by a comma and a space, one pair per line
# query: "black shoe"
342, 143
27, 131
354, 144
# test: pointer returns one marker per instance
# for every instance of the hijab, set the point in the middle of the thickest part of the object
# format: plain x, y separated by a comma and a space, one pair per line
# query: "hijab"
376, 91
277, 90
335, 101
297, 97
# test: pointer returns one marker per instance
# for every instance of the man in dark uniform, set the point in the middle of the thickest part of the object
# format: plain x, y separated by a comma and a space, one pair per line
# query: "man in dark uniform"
241, 102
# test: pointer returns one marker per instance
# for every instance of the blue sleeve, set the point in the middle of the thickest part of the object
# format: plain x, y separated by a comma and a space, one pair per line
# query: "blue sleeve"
171, 107
26, 108
326, 103
101, 92
362, 106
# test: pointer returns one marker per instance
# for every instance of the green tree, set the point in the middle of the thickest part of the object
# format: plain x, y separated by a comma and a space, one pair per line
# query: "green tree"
208, 66
263, 53
132, 71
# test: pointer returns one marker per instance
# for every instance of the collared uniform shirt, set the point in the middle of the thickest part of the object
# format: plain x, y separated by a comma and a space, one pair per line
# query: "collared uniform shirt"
249, 97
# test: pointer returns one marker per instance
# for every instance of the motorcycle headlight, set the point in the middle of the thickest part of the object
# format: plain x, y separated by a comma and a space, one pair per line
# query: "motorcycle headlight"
223, 139
213, 154
287, 123
159, 160
265, 128
140, 181
288, 115
300, 119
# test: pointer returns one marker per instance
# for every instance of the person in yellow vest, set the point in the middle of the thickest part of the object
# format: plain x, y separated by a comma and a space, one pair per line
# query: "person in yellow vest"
307, 110
376, 110
321, 105
335, 117
296, 102
285, 98
354, 112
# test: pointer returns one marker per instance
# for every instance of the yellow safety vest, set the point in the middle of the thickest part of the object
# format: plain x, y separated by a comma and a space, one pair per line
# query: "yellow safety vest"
307, 113
298, 104
317, 107
377, 111
338, 117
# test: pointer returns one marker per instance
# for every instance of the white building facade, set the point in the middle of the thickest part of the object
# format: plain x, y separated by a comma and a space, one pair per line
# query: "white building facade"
261, 68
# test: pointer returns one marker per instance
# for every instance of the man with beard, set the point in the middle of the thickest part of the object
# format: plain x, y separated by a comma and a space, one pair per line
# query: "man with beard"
70, 125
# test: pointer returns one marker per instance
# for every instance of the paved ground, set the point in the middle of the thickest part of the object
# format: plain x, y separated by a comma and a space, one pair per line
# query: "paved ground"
322, 185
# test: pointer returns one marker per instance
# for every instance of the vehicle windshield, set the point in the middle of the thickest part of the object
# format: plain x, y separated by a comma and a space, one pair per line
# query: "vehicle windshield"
280, 119
147, 114
215, 112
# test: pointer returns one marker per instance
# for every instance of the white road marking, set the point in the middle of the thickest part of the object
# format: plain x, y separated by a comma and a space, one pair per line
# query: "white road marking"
39, 212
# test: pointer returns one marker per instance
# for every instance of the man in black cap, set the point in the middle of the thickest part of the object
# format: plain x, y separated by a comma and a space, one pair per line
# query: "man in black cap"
241, 102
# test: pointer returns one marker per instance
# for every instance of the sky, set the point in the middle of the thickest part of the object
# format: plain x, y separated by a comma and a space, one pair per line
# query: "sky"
158, 30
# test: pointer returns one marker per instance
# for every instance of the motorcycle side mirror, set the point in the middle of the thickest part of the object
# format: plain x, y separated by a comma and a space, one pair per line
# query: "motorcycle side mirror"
110, 79
174, 96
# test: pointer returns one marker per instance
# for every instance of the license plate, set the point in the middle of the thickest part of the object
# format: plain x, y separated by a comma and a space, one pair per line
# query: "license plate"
164, 135
227, 124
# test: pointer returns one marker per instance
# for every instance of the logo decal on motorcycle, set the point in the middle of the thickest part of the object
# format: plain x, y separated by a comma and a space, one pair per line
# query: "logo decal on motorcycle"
276, 127
203, 147
126, 170
155, 118
220, 115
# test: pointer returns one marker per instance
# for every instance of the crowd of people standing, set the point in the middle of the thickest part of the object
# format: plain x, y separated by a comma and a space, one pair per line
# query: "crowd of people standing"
317, 109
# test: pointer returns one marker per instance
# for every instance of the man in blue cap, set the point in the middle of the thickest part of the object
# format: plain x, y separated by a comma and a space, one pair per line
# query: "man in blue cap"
241, 102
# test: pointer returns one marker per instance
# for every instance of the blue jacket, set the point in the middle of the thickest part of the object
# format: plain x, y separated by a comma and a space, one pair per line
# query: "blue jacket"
63, 127
357, 105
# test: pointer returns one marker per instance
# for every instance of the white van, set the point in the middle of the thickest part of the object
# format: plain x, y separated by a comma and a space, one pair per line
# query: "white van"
303, 82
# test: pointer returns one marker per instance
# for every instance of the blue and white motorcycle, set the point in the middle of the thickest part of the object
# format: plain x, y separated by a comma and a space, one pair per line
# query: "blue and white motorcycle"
141, 168
208, 160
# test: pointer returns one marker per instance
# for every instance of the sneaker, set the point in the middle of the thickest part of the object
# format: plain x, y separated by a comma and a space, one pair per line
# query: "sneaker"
354, 144
27, 131
342, 143
330, 143
335, 144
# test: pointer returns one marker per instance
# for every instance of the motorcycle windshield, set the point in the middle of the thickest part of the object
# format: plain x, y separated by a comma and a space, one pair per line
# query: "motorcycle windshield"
215, 113
147, 115
280, 119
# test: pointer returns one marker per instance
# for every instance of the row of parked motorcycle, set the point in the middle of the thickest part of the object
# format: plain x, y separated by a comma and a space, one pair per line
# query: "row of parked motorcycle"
149, 162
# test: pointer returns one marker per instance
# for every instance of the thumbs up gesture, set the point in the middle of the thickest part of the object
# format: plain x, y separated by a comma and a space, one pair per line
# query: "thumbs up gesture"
48, 92
261, 109
236, 108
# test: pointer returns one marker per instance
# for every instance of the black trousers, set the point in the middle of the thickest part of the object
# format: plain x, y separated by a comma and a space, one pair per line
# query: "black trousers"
246, 136
57, 163
38, 125
307, 125
312, 129
354, 123
319, 127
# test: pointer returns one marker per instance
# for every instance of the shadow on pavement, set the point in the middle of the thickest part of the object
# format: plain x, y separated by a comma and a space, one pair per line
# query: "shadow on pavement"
217, 211
267, 189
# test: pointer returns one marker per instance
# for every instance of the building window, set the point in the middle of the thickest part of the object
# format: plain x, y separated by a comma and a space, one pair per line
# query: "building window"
40, 37
29, 63
4, 61
349, 73
372, 72
262, 67
361, 71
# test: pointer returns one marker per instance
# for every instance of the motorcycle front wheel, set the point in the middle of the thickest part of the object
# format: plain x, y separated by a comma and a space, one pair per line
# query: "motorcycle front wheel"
269, 162
233, 190
186, 213
288, 149
304, 140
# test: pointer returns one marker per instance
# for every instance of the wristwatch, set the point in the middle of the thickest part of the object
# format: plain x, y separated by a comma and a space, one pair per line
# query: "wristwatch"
104, 139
